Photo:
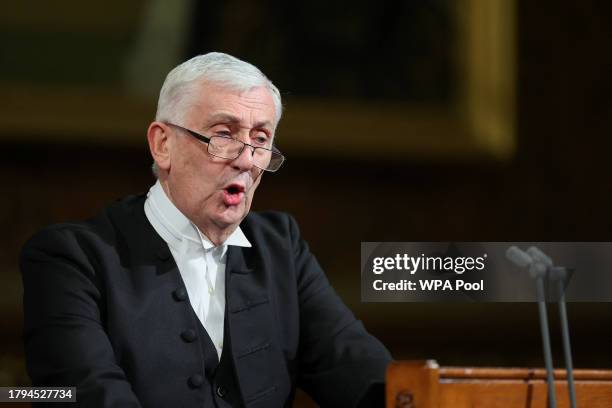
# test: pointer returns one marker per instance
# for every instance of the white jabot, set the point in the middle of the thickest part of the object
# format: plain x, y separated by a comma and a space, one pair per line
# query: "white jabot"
200, 263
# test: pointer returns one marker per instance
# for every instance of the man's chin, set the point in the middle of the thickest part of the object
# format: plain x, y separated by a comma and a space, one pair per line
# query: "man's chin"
231, 216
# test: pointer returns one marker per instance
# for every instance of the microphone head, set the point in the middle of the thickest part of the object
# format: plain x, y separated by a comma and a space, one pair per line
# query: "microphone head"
539, 256
518, 257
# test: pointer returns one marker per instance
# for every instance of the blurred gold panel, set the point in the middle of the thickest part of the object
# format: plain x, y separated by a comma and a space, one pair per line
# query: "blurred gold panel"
479, 120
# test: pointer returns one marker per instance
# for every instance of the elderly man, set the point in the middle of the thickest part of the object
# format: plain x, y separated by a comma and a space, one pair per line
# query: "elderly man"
181, 298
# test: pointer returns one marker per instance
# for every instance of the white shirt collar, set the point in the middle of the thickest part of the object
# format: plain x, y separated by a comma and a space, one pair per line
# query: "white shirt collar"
177, 230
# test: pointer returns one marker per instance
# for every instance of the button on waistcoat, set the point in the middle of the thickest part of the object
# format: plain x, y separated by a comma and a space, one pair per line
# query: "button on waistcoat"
220, 379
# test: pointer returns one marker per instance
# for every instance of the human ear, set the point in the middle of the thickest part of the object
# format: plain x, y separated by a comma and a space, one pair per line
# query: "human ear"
159, 144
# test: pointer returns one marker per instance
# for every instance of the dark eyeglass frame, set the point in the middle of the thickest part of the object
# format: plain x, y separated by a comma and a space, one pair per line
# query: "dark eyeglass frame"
206, 139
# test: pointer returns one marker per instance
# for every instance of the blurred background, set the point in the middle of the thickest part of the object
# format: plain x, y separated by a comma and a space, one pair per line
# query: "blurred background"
441, 120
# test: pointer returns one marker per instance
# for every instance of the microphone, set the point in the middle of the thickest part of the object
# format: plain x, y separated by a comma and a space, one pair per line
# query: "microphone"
537, 270
540, 256
558, 274
518, 257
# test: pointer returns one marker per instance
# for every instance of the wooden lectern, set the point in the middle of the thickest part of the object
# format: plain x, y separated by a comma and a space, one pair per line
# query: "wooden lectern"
422, 384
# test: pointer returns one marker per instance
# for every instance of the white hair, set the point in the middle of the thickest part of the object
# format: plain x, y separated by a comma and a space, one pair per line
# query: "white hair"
217, 68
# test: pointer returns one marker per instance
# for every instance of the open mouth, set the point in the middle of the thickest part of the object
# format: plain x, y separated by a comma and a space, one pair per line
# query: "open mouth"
234, 189
233, 194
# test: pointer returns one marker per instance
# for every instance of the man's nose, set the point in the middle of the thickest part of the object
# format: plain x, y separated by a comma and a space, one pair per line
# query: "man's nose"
245, 160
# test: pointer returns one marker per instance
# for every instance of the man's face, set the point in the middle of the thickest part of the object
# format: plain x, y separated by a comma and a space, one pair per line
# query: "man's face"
216, 193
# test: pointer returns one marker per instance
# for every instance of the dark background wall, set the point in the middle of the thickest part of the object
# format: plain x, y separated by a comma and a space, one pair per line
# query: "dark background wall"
555, 188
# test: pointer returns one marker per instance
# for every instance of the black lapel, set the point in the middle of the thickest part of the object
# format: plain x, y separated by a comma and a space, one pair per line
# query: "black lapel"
142, 250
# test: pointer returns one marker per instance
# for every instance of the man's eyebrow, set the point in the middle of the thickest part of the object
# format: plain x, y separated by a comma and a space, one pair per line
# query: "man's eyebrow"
223, 118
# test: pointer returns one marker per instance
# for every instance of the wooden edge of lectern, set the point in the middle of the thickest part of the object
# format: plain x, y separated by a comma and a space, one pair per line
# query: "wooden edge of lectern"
423, 384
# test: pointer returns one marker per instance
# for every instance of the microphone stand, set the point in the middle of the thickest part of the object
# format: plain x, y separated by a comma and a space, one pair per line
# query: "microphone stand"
559, 275
538, 271
540, 267
556, 276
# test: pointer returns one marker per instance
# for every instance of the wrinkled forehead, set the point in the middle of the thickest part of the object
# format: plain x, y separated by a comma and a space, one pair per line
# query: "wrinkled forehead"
210, 103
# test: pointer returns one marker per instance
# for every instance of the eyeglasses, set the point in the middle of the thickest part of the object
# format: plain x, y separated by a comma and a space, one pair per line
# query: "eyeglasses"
229, 148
